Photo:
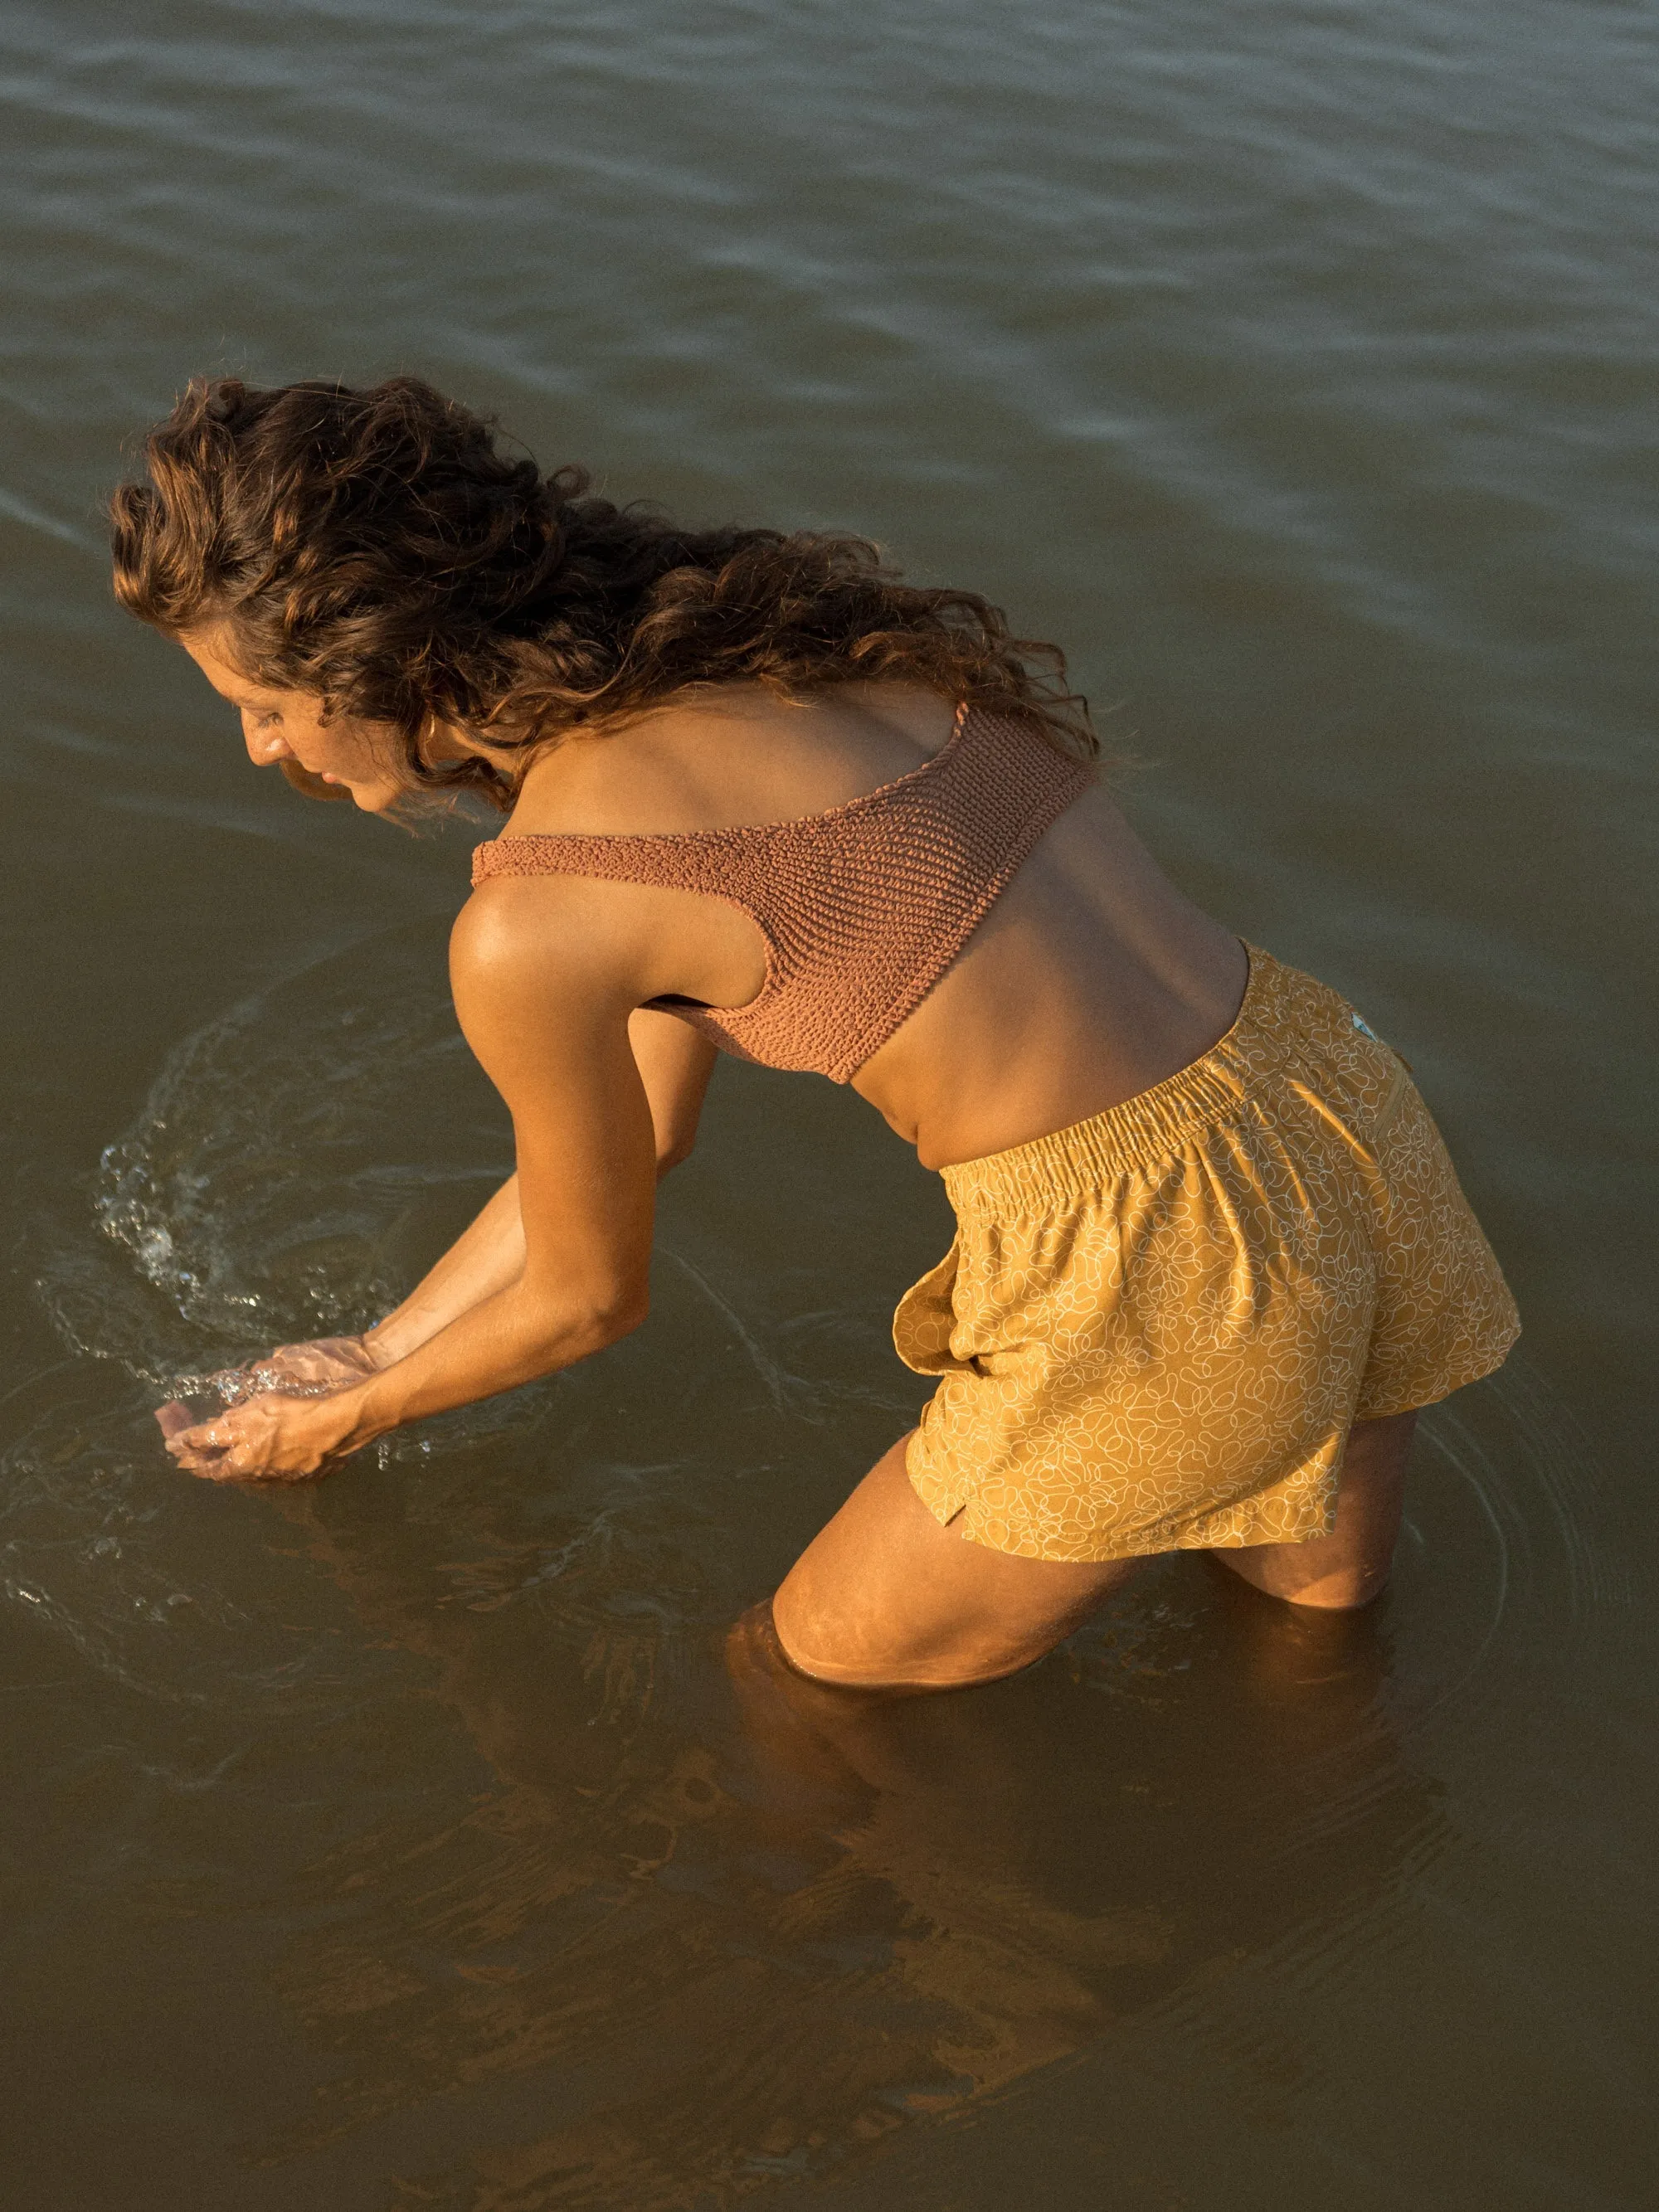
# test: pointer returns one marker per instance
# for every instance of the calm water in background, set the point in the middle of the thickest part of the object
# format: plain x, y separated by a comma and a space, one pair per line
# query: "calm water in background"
399, 1843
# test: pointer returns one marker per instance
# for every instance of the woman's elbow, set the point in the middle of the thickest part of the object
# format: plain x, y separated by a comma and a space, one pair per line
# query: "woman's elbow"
608, 1315
560, 1327
626, 1314
674, 1152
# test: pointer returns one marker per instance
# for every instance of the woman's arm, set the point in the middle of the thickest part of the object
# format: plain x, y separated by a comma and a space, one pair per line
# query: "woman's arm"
486, 1256
548, 1010
674, 1064
490, 1252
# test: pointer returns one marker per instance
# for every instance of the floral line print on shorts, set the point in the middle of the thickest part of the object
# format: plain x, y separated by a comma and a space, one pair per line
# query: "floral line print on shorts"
1155, 1328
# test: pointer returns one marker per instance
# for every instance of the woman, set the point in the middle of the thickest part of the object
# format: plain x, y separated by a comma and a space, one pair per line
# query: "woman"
1212, 1257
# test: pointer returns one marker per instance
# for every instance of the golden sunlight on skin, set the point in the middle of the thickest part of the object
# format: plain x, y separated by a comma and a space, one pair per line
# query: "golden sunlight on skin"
278, 725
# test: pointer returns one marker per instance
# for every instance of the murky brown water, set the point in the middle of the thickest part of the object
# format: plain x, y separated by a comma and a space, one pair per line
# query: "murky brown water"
401, 1843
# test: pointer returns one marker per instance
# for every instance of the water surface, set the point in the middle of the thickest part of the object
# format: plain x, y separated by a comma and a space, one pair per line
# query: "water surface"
402, 1842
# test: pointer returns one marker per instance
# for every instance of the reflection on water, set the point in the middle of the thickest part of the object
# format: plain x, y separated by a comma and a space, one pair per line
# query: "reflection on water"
689, 1924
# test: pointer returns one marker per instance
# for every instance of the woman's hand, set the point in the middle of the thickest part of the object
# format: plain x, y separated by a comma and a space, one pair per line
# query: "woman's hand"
226, 1448
271, 1438
322, 1365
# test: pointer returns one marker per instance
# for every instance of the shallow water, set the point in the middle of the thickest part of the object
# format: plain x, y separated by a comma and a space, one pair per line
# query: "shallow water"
403, 1842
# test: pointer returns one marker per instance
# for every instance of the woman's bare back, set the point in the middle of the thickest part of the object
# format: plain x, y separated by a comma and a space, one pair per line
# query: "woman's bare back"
1091, 978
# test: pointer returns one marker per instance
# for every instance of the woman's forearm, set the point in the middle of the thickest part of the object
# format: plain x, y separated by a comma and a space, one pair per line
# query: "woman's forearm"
511, 1336
486, 1258
557, 1265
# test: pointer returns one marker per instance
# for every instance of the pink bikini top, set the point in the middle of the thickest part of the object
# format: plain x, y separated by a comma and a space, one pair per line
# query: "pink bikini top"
862, 909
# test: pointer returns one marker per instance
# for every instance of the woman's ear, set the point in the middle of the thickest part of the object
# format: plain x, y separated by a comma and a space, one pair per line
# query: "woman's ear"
440, 742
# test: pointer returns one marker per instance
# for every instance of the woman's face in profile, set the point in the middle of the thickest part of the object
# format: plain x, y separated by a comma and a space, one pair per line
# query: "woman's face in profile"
356, 756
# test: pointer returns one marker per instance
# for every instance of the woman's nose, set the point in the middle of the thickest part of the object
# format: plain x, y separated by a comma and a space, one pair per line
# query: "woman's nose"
264, 746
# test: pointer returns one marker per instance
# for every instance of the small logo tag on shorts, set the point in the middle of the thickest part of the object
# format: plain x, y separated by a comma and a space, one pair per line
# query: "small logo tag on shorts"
1365, 1029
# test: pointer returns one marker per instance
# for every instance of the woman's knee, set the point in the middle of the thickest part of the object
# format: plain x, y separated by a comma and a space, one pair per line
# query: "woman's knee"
864, 1636
887, 1596
838, 1635
1349, 1591
830, 1644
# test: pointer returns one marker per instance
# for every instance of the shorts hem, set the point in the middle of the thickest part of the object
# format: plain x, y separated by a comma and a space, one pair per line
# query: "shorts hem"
1029, 1547
1028, 1543
1432, 1392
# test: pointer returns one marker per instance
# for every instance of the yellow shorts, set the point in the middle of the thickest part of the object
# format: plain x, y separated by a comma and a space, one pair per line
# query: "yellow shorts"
1155, 1327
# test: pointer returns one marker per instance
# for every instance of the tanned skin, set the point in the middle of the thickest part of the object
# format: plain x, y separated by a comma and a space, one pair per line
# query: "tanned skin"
1091, 978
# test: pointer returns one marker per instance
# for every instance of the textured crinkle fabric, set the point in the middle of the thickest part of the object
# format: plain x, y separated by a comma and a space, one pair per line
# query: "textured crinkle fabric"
1154, 1328
863, 907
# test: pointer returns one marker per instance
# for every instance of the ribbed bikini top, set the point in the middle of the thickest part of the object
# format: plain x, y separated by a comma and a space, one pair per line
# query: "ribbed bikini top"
863, 907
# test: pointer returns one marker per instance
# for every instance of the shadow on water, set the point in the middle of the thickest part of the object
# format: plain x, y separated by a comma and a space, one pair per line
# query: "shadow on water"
600, 1914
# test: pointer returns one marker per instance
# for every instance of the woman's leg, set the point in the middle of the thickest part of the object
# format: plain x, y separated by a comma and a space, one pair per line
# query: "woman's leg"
884, 1596
1348, 1567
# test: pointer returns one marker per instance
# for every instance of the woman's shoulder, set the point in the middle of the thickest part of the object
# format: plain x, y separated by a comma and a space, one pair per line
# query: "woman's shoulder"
731, 756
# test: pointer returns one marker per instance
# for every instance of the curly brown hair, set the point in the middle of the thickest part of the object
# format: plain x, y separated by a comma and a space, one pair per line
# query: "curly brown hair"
378, 547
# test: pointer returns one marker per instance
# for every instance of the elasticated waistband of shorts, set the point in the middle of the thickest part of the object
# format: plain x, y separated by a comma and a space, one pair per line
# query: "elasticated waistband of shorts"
1146, 1130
